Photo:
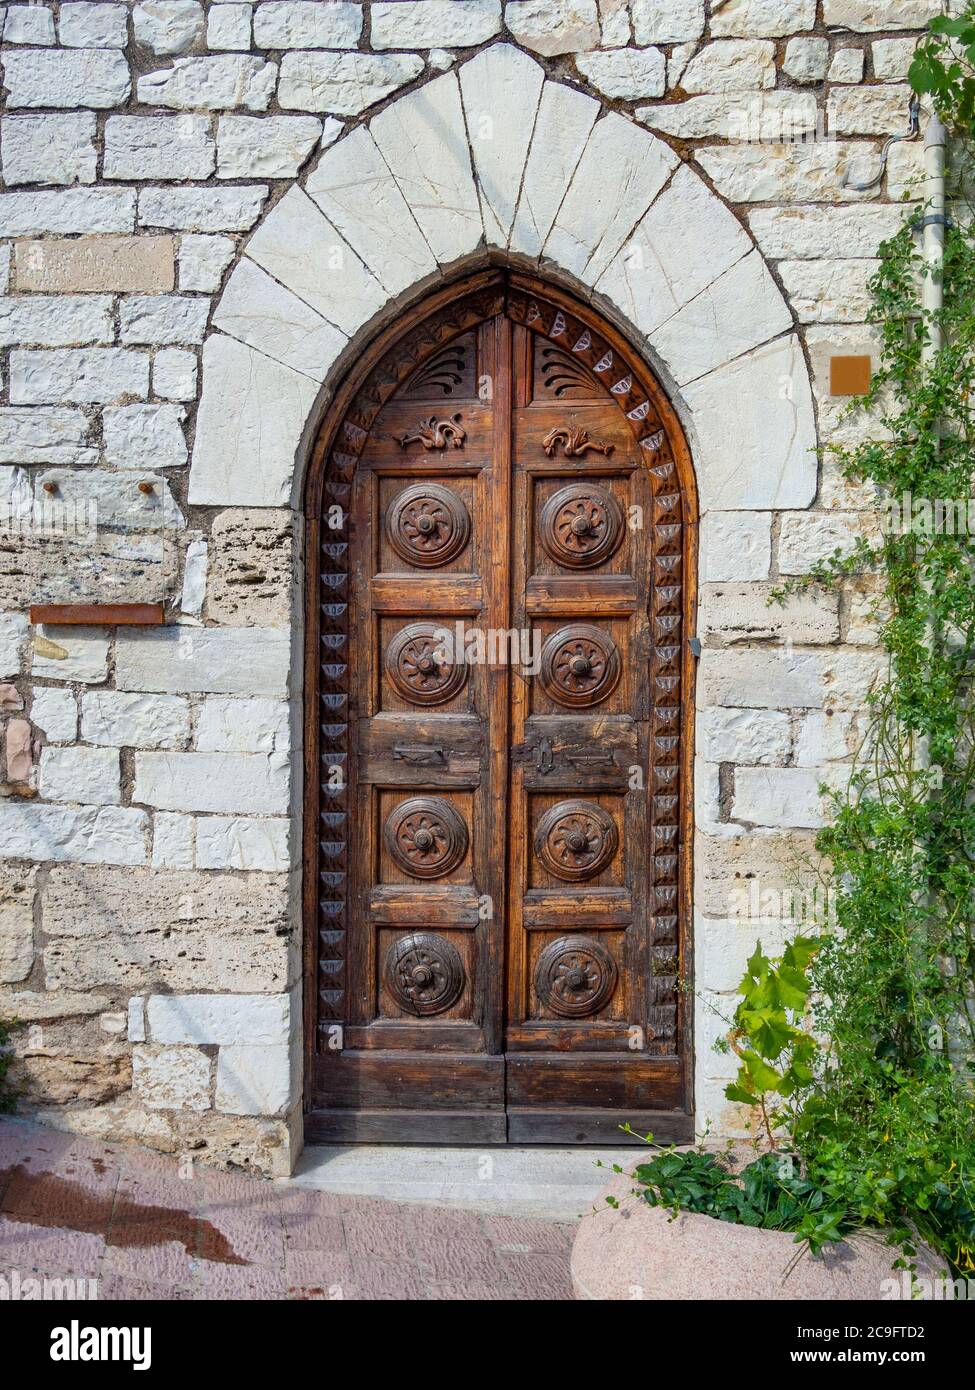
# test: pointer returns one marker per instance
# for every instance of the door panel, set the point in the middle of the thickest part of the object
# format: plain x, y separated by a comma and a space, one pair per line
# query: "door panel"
498, 844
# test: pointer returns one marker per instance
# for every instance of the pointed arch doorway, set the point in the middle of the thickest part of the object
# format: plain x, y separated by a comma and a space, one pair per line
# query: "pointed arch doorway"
501, 540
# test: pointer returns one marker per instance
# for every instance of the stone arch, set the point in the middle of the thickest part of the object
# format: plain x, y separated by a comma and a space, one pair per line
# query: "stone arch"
496, 161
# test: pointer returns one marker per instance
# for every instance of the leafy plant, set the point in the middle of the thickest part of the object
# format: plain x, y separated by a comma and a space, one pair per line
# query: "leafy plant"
943, 68
775, 1050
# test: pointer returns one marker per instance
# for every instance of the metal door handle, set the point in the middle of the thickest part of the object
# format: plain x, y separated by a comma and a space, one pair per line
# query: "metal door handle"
544, 760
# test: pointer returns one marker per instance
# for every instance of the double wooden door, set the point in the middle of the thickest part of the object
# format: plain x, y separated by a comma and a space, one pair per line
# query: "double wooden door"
498, 837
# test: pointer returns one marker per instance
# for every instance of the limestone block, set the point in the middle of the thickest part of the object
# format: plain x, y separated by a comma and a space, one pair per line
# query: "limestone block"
125, 720
741, 309
44, 435
809, 172
163, 147
227, 1020
499, 87
813, 233
621, 171
722, 948
116, 500
202, 209
249, 426
250, 582
257, 310
562, 128
194, 578
614, 23
806, 60
81, 210
172, 1078
828, 291
193, 931
83, 25
551, 27
84, 835
144, 436
55, 713
13, 631
300, 24
687, 238
241, 661
67, 78
49, 149
849, 674
65, 1076
98, 375
762, 678
32, 24
174, 374
847, 66
868, 110
626, 73
229, 782
298, 245
211, 84
434, 174
667, 21
739, 116
243, 726
343, 83
136, 1029
159, 319
761, 457
242, 842
167, 26
52, 1004
758, 870
88, 775
777, 796
17, 894
867, 15
86, 659
229, 27
744, 613
203, 260
892, 58
253, 1080
809, 538
763, 18
354, 188
744, 736
736, 545
95, 263
426, 23
264, 147
731, 65
173, 838
829, 736
56, 320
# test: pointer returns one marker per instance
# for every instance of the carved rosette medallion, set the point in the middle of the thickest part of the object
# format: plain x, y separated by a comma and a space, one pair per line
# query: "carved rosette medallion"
581, 525
419, 667
576, 840
427, 525
425, 836
424, 973
575, 976
580, 665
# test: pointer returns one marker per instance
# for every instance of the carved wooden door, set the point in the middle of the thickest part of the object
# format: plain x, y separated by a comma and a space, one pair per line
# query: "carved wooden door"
498, 793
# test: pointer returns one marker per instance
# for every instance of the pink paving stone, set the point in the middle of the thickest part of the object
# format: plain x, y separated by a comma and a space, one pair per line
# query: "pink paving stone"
317, 1269
254, 1240
118, 1287
381, 1279
55, 1251
457, 1290
240, 1281
386, 1237
540, 1276
524, 1236
469, 1257
165, 1263
314, 1233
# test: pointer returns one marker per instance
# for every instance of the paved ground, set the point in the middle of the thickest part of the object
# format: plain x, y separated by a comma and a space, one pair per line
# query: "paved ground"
126, 1217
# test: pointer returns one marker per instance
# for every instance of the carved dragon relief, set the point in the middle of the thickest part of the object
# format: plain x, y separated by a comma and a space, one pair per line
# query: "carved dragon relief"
434, 434
574, 443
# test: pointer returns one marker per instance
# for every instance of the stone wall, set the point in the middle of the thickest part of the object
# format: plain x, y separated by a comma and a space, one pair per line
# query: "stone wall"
149, 935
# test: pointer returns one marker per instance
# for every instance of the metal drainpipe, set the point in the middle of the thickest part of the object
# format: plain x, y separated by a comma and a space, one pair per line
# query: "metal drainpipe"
933, 225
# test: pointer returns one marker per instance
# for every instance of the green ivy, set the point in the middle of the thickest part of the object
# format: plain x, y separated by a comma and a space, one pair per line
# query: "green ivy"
8, 1092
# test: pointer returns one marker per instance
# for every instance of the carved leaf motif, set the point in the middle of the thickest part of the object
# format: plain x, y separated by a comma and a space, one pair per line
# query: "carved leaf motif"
435, 434
574, 442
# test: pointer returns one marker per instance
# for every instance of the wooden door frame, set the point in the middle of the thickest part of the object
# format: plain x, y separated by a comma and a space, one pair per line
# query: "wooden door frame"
465, 301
